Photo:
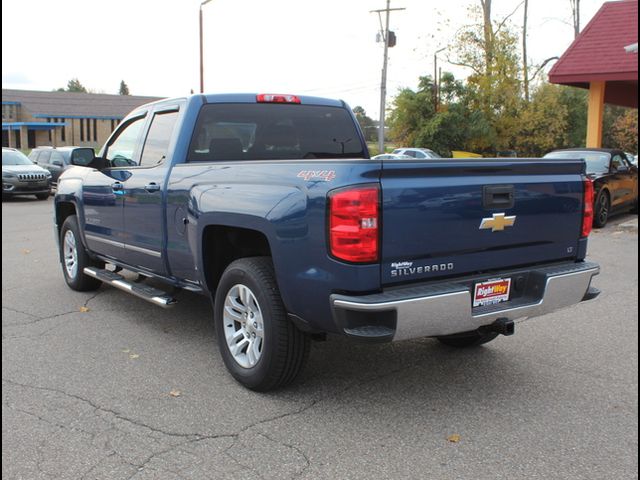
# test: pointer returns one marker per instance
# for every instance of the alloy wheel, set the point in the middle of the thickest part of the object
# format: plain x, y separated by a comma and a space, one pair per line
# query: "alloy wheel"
70, 252
243, 326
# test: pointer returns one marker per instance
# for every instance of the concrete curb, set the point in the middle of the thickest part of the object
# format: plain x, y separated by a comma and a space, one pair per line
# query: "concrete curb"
631, 226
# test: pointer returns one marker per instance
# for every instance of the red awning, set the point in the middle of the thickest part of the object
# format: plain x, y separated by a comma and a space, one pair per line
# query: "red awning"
598, 54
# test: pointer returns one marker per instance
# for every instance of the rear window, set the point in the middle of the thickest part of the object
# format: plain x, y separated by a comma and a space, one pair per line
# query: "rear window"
273, 132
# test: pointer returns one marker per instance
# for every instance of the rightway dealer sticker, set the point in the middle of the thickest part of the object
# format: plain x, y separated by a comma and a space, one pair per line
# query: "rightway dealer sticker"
491, 292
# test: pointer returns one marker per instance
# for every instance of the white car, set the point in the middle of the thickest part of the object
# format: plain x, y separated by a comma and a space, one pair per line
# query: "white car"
391, 156
420, 153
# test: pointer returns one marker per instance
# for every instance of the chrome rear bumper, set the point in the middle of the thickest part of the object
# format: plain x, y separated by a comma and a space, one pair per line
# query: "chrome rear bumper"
446, 308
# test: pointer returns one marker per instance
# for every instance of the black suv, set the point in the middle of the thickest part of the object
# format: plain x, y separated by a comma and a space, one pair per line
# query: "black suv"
56, 160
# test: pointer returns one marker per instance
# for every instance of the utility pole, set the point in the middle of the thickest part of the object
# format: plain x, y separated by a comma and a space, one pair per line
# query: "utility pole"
384, 33
201, 54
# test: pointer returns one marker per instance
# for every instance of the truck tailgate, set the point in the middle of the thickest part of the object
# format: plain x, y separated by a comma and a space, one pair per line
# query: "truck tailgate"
452, 217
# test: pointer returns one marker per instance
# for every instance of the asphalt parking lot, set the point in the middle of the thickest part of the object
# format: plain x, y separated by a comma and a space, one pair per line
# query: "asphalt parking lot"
106, 386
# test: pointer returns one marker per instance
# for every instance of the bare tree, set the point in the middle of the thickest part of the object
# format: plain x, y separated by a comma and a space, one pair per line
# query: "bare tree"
575, 14
488, 34
525, 66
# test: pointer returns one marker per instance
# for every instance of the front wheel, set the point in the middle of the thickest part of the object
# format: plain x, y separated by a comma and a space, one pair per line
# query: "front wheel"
43, 196
259, 345
74, 258
467, 339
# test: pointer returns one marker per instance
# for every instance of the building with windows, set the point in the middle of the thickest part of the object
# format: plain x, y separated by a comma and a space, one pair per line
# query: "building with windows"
31, 119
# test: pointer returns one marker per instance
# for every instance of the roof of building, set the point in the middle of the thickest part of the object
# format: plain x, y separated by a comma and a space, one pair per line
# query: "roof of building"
74, 104
598, 53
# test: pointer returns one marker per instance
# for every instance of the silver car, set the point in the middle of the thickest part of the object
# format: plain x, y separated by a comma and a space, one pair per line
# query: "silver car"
391, 156
419, 153
21, 177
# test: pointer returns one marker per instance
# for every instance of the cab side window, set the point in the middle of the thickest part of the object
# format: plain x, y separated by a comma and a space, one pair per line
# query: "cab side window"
122, 149
57, 159
617, 163
157, 142
44, 157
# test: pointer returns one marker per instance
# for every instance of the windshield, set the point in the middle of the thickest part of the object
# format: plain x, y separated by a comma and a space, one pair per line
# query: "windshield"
597, 162
10, 157
274, 131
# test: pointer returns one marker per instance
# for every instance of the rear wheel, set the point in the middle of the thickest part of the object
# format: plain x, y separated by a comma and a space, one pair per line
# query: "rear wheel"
467, 339
74, 258
259, 345
602, 208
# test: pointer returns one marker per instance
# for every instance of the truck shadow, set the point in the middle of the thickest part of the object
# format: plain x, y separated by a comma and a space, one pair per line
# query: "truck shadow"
424, 367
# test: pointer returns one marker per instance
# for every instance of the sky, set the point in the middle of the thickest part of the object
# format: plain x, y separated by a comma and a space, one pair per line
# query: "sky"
323, 48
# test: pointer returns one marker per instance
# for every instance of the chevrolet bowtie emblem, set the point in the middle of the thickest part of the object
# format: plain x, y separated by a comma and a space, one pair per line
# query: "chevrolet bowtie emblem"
497, 223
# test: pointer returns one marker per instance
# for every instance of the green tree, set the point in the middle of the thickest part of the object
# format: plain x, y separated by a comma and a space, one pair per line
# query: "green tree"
624, 132
609, 118
575, 101
409, 112
124, 88
74, 85
490, 51
542, 123
366, 123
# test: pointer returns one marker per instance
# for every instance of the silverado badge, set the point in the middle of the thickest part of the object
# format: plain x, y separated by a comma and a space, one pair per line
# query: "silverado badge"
497, 223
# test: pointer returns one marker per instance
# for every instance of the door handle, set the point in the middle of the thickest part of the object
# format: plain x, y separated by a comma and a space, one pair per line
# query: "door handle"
117, 187
152, 187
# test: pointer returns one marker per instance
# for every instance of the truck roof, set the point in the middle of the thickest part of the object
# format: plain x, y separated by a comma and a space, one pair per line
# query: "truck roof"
251, 98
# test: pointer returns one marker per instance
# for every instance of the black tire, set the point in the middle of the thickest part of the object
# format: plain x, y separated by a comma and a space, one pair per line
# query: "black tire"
283, 348
467, 339
43, 196
75, 278
601, 209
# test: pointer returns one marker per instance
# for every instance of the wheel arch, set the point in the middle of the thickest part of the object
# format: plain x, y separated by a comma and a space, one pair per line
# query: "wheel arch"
223, 244
63, 210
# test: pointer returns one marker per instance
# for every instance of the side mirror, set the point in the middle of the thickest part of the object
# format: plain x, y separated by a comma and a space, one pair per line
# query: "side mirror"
99, 163
82, 157
57, 163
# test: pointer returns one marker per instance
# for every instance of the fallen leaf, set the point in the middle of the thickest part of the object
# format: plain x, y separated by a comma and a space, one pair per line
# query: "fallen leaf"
84, 309
133, 356
26, 251
175, 393
455, 438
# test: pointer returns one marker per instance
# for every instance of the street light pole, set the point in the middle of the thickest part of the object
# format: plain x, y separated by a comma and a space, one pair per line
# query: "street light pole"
201, 54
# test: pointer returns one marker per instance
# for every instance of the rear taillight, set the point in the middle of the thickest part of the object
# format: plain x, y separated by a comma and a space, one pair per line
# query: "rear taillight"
354, 219
587, 216
276, 98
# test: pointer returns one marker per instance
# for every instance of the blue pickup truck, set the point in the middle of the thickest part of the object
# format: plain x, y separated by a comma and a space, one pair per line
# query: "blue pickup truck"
271, 206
